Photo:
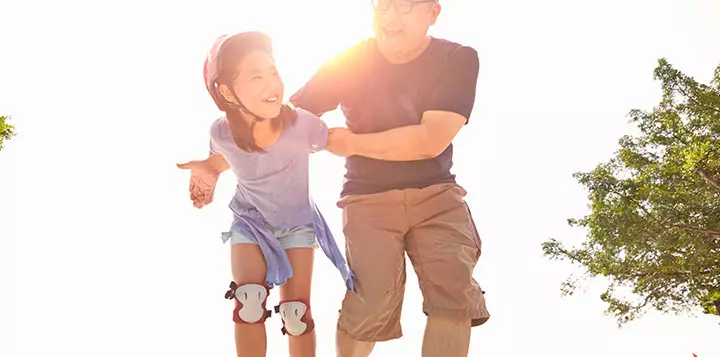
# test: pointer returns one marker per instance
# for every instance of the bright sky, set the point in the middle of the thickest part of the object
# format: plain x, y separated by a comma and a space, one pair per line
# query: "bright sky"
102, 254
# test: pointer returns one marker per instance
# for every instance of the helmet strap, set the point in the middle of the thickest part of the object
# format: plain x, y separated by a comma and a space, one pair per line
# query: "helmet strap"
255, 118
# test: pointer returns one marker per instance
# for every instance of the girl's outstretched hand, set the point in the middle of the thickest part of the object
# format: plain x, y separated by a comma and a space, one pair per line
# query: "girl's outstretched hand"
203, 178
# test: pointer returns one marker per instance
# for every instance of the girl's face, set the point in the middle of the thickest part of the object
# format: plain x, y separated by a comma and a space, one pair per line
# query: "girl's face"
258, 85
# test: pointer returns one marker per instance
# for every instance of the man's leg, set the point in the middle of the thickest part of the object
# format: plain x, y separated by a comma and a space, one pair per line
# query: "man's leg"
346, 346
374, 227
446, 337
444, 247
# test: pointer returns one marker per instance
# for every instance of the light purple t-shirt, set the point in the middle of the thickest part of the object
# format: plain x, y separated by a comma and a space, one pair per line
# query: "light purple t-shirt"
275, 182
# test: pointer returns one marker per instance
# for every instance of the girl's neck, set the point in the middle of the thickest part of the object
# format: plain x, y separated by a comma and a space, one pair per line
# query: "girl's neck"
266, 133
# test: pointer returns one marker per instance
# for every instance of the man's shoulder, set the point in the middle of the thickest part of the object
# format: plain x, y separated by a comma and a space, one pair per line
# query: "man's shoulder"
359, 48
355, 54
444, 49
445, 42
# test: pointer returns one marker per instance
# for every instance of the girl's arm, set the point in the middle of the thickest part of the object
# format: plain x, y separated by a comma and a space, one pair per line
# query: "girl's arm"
314, 129
204, 175
217, 162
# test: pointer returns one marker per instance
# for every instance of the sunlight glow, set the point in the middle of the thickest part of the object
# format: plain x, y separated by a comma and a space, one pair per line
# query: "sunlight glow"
102, 254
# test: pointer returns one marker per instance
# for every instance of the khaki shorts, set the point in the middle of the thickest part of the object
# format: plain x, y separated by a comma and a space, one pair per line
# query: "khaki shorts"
434, 226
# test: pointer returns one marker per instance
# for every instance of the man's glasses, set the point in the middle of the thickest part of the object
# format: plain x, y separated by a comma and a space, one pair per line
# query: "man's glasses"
403, 6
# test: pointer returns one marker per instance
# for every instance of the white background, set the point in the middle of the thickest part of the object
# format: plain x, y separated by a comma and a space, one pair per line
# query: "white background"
102, 254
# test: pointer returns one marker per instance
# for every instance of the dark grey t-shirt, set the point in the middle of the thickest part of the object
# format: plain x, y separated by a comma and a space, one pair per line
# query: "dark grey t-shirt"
376, 95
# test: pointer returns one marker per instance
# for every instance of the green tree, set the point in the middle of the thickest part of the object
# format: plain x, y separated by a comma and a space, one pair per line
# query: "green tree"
654, 224
7, 131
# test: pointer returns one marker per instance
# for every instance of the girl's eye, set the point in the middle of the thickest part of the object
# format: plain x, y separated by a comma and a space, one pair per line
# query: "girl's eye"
256, 78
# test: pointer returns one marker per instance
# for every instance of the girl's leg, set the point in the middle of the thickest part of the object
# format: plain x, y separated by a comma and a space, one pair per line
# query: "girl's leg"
298, 288
248, 267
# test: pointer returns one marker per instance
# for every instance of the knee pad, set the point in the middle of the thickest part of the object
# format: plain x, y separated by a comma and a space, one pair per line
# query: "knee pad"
250, 302
295, 317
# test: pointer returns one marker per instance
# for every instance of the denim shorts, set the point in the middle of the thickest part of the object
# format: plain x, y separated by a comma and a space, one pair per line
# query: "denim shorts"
298, 237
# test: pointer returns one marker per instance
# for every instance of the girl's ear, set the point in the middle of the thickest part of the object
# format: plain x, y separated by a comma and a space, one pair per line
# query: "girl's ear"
227, 94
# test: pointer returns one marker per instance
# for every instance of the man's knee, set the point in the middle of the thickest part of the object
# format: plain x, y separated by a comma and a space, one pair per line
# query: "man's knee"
296, 317
250, 301
456, 302
447, 245
458, 298
370, 318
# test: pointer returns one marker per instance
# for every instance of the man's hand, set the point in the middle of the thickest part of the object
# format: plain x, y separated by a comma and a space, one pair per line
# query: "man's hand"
203, 179
340, 142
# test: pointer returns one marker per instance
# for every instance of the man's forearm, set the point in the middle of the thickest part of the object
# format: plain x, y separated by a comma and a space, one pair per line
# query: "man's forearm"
399, 144
217, 162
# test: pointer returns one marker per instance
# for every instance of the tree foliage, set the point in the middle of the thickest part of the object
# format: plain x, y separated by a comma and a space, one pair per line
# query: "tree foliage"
654, 222
7, 131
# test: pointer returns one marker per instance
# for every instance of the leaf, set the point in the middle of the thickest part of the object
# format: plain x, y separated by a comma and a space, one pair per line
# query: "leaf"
7, 131
654, 224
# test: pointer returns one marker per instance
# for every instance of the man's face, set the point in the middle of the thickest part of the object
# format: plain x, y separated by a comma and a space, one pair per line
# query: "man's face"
401, 26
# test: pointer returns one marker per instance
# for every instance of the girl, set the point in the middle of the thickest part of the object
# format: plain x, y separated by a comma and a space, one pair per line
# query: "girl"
276, 225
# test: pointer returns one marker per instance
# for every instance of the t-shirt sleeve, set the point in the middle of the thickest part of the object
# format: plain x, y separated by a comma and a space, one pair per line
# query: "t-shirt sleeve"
456, 89
316, 131
325, 89
214, 135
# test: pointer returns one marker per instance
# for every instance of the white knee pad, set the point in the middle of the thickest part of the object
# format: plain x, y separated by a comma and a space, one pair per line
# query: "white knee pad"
295, 318
250, 302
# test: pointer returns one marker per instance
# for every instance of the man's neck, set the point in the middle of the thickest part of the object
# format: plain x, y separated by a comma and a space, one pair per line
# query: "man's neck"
407, 57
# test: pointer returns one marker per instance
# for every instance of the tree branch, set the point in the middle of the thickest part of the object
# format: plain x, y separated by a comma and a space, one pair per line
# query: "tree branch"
570, 255
712, 182
637, 203
692, 99
699, 230
681, 274
685, 228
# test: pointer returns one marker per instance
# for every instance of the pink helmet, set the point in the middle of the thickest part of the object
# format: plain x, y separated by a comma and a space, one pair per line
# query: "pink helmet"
241, 42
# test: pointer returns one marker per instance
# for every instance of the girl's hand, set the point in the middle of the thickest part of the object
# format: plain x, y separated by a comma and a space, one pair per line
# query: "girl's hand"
203, 179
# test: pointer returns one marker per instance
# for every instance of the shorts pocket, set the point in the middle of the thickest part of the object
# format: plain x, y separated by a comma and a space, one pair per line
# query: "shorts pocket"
475, 233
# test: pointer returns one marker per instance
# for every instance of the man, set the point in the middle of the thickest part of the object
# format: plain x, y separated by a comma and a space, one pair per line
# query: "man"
405, 96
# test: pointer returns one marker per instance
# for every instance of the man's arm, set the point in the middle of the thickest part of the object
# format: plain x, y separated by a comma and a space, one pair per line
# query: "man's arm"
448, 110
323, 92
409, 143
